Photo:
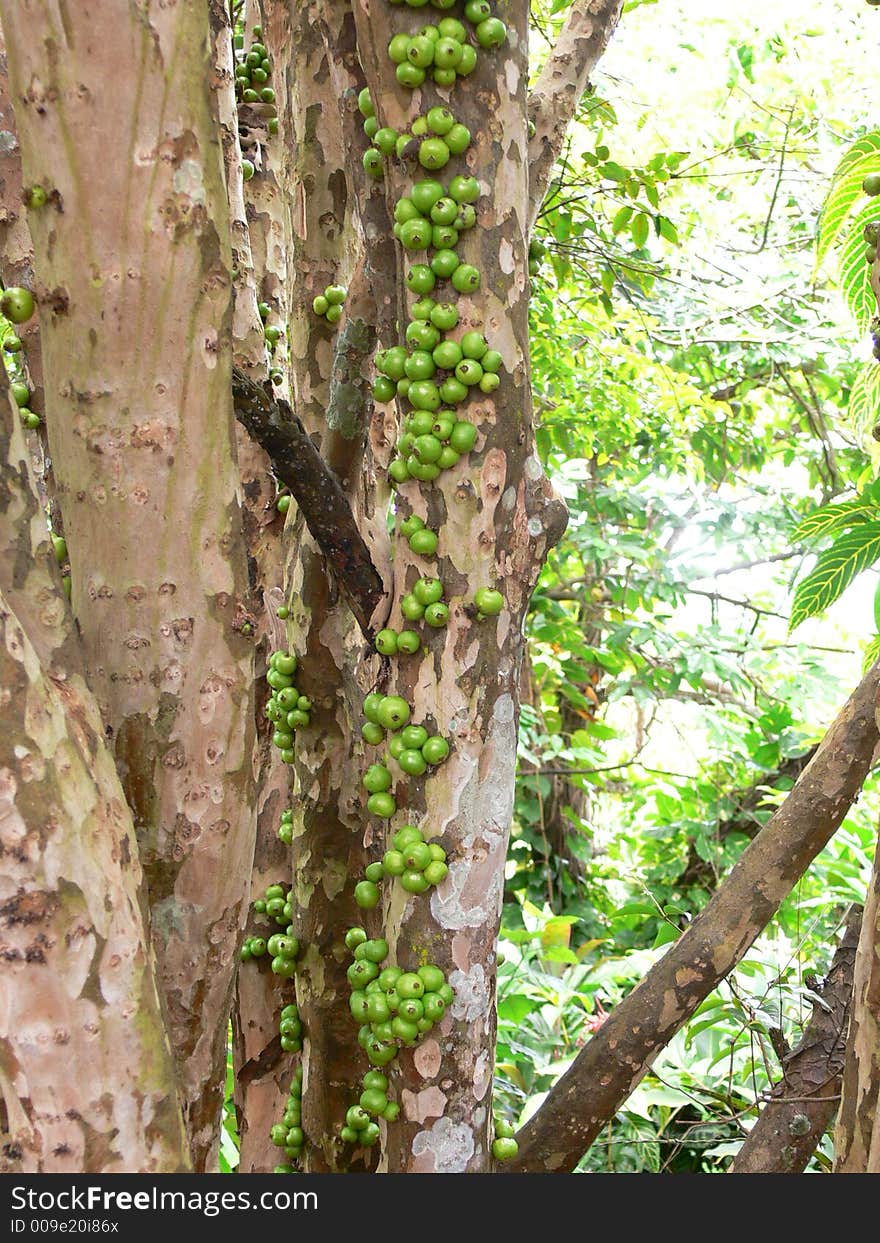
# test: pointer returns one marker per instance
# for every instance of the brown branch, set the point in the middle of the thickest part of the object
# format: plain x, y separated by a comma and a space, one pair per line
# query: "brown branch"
316, 490
604, 1073
561, 85
805, 1099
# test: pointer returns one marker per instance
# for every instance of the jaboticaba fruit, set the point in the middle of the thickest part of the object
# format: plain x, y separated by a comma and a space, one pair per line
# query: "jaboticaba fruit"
17, 304
488, 601
871, 184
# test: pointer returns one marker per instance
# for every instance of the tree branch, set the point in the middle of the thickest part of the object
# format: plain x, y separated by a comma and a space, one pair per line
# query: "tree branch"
806, 1097
608, 1068
316, 490
561, 85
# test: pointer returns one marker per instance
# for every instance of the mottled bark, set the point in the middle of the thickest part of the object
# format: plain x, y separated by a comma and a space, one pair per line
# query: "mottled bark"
612, 1063
804, 1101
560, 87
496, 517
857, 1135
77, 977
135, 314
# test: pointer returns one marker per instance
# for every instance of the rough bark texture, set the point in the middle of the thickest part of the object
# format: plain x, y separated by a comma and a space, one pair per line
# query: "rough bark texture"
561, 85
135, 316
77, 982
496, 517
857, 1135
616, 1058
805, 1099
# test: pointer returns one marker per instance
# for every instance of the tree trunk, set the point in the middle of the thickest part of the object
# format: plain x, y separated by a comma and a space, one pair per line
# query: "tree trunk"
77, 977
135, 316
806, 1098
857, 1136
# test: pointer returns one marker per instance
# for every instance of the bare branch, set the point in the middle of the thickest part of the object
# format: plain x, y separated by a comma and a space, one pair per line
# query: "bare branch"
561, 85
604, 1073
316, 490
805, 1098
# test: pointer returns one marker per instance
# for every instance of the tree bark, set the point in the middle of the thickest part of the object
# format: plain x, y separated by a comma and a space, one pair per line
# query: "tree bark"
77, 976
134, 261
616, 1058
857, 1135
805, 1099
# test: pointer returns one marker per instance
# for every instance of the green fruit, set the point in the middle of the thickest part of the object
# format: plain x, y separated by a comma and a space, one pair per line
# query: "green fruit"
466, 278
422, 335
20, 392
374, 1080
36, 197
444, 237
420, 279
422, 308
447, 53
425, 194
468, 62
405, 834
451, 28
366, 894
247, 168
433, 153
408, 642
458, 139
409, 75
365, 104
463, 437
466, 218
17, 304
452, 391
419, 127
444, 211
430, 32
357, 1118
424, 543
469, 372
386, 641
444, 316
420, 422
464, 189
371, 127
444, 77
405, 209
372, 162
435, 750
504, 1149
435, 872
425, 472
445, 263
320, 305
355, 937
474, 345
491, 32
393, 712
397, 472
437, 615
416, 234
409, 985
425, 395
489, 382
371, 706
491, 361
412, 762
420, 51
871, 184
377, 950
419, 366
383, 389
410, 525
427, 449
447, 355
382, 805
394, 362
488, 601
393, 864
397, 50
440, 121
335, 294
428, 590
414, 881
411, 609
376, 779
373, 1101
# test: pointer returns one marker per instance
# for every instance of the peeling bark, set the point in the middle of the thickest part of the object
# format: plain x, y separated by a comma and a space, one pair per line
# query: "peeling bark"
561, 85
135, 317
608, 1068
805, 1099
857, 1135
77, 977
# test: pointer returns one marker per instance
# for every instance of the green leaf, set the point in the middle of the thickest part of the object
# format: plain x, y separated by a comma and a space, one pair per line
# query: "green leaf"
639, 230
855, 273
846, 187
837, 566
621, 220
832, 518
864, 400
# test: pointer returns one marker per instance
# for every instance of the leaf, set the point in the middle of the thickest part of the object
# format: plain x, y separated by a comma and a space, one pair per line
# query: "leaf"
855, 273
872, 653
639, 230
666, 934
516, 1008
863, 409
835, 569
846, 188
838, 517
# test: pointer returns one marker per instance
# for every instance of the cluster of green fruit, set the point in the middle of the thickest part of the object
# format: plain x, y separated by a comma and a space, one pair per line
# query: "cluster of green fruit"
504, 1146
421, 539
418, 864
288, 1133
360, 1127
285, 828
282, 947
444, 49
272, 334
433, 138
287, 709
253, 69
425, 601
394, 1007
871, 234
290, 1029
17, 306
411, 747
329, 303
